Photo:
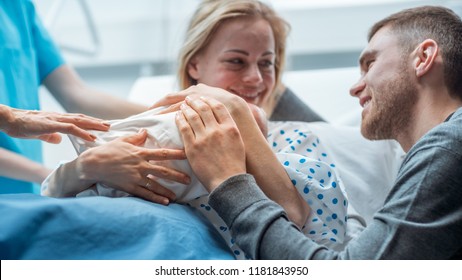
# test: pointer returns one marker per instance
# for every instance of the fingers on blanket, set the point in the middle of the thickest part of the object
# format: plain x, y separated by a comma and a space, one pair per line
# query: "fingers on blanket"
163, 172
153, 191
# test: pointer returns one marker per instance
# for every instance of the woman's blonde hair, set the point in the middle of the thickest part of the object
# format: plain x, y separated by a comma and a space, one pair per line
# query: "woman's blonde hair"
208, 18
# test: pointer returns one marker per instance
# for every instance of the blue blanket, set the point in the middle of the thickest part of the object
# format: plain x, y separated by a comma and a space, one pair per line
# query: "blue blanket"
36, 227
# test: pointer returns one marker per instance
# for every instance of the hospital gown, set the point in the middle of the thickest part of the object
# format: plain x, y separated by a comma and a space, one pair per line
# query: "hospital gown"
310, 168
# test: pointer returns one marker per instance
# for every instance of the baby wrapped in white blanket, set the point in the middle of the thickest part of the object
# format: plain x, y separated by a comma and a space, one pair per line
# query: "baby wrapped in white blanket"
299, 150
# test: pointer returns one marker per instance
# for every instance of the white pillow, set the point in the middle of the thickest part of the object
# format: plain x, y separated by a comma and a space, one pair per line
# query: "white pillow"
148, 90
367, 168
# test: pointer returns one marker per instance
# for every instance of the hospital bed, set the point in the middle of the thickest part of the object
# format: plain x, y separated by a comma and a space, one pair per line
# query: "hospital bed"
35, 227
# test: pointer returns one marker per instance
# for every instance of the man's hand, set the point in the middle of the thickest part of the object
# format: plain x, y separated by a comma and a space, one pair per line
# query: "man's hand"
213, 143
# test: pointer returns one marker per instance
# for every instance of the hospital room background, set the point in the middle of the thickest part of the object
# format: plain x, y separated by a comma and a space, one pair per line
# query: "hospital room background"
129, 48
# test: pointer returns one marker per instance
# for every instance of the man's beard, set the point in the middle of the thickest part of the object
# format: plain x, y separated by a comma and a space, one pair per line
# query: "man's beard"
392, 109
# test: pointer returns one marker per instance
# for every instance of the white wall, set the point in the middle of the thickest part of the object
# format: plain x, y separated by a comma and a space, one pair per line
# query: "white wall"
142, 38
151, 31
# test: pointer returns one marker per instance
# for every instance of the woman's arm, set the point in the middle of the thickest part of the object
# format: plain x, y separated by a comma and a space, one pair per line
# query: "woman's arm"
67, 87
121, 164
266, 168
260, 159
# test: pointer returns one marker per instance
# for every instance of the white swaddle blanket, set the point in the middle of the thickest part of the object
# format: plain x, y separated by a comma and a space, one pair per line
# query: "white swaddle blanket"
299, 150
162, 133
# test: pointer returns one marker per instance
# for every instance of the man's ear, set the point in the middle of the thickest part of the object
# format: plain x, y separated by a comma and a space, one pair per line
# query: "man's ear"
425, 56
192, 67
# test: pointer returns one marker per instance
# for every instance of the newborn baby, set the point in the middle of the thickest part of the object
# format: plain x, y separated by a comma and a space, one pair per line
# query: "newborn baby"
162, 133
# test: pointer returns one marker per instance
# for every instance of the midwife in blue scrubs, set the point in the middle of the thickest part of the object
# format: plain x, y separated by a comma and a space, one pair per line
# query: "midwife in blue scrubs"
29, 58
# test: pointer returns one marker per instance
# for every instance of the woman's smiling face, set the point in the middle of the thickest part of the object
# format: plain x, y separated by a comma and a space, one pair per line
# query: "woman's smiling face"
240, 59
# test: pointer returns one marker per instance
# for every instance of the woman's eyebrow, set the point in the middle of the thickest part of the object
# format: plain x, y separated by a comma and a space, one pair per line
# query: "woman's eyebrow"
237, 51
268, 53
247, 53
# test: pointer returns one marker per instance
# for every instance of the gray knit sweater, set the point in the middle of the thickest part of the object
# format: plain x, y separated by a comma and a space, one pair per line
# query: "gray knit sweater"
421, 217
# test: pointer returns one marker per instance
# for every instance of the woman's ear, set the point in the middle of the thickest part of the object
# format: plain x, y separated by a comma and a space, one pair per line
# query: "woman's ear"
193, 68
425, 56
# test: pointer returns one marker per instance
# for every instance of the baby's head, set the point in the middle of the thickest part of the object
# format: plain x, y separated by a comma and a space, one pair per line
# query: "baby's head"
260, 116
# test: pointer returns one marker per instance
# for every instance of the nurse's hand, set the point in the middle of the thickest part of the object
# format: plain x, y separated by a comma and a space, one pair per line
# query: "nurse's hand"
46, 125
212, 141
124, 165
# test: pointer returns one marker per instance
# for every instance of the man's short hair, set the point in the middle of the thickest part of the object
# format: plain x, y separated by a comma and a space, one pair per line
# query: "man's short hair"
442, 25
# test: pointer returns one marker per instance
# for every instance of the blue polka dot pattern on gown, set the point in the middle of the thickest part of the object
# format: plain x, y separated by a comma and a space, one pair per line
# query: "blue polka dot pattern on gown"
312, 171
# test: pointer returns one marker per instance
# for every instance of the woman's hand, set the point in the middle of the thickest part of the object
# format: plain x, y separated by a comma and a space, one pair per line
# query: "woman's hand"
124, 165
46, 125
213, 144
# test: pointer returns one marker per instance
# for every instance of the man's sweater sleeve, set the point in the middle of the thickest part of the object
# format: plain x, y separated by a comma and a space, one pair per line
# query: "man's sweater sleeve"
259, 225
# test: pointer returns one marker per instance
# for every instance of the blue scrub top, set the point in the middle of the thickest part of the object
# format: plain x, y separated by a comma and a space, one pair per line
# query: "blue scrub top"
27, 56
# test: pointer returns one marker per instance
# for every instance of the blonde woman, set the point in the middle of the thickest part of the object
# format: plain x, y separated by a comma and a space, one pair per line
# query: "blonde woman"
279, 103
